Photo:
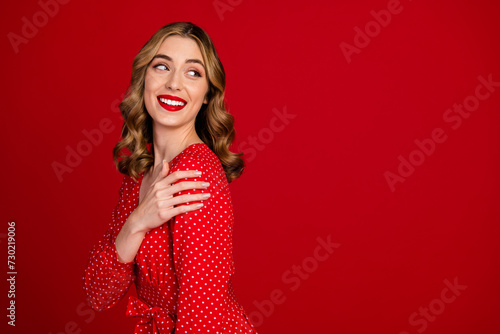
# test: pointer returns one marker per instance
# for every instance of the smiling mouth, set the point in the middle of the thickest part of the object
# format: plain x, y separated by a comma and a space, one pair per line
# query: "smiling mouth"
171, 103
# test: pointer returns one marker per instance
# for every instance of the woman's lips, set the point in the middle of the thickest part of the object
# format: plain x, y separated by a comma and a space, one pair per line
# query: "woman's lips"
171, 103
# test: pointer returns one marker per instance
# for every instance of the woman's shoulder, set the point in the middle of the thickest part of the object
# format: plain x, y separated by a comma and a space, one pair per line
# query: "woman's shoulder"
199, 157
196, 155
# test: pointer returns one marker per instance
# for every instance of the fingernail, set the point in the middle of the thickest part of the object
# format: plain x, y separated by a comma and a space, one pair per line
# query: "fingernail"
205, 184
196, 172
207, 195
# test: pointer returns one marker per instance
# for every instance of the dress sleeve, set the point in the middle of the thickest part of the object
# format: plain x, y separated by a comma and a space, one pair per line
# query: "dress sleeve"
203, 261
107, 280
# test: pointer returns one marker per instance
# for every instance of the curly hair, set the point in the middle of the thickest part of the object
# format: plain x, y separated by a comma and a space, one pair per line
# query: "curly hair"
134, 153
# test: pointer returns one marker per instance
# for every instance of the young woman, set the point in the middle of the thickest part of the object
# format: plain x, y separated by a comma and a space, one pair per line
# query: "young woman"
171, 231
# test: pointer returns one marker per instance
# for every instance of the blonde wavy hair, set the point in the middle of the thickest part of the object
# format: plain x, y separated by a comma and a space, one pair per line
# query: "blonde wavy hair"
134, 153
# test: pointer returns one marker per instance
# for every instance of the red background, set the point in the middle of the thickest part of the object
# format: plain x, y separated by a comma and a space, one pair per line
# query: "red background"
320, 174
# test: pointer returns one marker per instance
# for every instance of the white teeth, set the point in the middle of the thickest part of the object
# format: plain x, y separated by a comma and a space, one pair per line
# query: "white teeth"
172, 102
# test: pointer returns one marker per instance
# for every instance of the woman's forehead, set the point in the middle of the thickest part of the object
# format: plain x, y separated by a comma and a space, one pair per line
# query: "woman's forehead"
180, 48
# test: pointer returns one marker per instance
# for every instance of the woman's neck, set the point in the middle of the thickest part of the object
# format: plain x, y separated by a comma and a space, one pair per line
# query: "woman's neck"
167, 145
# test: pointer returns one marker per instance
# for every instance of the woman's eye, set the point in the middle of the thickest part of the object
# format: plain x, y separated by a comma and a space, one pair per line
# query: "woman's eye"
194, 73
161, 67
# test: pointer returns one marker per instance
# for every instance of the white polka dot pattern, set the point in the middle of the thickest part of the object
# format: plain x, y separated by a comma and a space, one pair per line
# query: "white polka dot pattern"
184, 266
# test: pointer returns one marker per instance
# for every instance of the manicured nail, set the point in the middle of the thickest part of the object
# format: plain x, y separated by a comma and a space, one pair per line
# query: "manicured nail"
199, 205
206, 195
205, 184
197, 172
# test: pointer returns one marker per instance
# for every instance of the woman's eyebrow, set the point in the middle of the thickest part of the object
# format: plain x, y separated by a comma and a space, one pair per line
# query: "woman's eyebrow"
196, 61
162, 56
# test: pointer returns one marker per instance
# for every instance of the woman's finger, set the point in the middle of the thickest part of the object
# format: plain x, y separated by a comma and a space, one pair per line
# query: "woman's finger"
167, 181
182, 199
182, 174
169, 193
163, 171
186, 185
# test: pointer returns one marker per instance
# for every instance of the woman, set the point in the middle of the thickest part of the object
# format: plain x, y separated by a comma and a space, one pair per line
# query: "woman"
171, 231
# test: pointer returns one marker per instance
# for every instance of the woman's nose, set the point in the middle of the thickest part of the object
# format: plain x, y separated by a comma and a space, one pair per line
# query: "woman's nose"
174, 80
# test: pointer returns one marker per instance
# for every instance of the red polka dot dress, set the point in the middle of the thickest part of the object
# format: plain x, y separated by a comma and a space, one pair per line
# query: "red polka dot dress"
183, 269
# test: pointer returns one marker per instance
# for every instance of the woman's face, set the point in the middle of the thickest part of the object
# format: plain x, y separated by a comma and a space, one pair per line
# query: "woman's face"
176, 83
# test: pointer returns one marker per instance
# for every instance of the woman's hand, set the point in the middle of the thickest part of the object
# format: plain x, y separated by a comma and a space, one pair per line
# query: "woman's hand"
158, 205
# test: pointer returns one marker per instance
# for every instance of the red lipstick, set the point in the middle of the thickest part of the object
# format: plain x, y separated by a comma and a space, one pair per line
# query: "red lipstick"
171, 103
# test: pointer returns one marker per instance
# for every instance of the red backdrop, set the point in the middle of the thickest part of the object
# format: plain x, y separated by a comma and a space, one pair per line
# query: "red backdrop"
370, 199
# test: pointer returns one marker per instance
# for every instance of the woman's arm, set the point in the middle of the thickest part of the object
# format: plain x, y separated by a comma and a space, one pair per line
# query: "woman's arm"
107, 280
202, 246
157, 207
109, 272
